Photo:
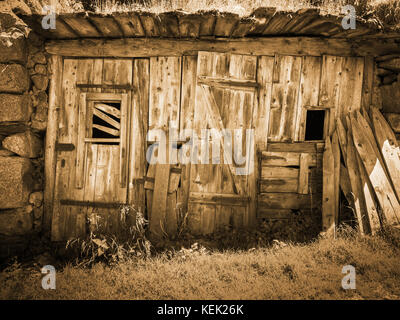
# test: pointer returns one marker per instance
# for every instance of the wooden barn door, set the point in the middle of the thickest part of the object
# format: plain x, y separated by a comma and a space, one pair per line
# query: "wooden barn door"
226, 95
308, 93
94, 147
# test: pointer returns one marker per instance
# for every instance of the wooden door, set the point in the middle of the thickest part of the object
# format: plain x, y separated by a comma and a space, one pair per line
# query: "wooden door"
94, 147
226, 96
291, 164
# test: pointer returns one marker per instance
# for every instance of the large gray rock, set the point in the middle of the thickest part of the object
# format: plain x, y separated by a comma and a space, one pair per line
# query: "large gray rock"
15, 53
15, 182
25, 144
15, 107
391, 98
13, 78
16, 222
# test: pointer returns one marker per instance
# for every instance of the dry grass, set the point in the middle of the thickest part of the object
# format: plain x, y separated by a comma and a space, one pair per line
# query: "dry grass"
311, 271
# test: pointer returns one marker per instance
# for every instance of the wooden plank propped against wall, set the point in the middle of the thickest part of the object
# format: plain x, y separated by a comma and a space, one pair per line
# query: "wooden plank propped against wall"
336, 160
387, 144
328, 193
375, 170
371, 220
159, 205
354, 175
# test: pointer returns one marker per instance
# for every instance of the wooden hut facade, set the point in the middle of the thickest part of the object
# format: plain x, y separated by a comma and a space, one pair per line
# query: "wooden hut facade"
115, 78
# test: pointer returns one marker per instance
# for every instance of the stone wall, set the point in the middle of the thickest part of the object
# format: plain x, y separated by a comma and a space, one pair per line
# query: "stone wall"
24, 80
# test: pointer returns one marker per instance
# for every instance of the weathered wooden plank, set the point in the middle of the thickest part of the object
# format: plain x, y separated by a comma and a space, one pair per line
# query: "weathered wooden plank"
123, 147
225, 24
81, 26
301, 147
228, 84
342, 135
261, 18
350, 88
278, 172
61, 185
262, 113
169, 24
50, 159
345, 184
106, 118
164, 92
374, 167
285, 98
108, 130
368, 79
150, 24
282, 184
159, 205
336, 170
108, 109
171, 217
106, 25
139, 123
331, 77
304, 173
309, 93
277, 23
137, 47
302, 18
188, 92
285, 159
130, 24
189, 25
328, 196
293, 201
355, 180
387, 144
371, 219
218, 198
80, 153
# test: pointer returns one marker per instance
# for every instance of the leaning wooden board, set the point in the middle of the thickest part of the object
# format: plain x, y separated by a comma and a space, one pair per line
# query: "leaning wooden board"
354, 175
328, 190
387, 144
375, 170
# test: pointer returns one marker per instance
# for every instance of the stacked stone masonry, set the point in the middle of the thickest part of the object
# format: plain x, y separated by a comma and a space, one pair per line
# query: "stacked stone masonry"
24, 81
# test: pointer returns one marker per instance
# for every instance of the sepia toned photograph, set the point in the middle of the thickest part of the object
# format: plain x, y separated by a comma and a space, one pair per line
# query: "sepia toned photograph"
182, 151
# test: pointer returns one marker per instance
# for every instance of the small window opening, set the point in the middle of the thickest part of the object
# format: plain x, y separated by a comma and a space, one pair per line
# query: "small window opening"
315, 125
106, 121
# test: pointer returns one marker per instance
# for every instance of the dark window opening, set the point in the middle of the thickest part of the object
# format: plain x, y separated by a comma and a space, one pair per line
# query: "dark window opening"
315, 124
106, 121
